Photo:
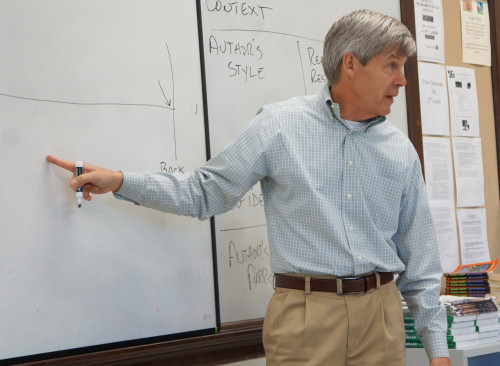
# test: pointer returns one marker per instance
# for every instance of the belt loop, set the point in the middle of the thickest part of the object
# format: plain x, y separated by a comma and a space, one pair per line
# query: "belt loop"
339, 286
308, 285
377, 276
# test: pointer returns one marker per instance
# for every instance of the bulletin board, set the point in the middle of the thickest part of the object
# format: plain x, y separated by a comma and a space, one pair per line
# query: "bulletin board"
488, 117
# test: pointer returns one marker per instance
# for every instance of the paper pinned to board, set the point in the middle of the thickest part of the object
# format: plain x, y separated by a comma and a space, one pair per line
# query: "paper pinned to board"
473, 235
476, 44
469, 177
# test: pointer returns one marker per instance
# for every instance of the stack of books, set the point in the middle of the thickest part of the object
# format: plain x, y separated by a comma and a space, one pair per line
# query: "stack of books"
471, 321
470, 280
494, 279
411, 338
467, 284
488, 328
461, 331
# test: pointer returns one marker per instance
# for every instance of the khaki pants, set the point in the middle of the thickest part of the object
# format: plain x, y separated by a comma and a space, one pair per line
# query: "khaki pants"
322, 328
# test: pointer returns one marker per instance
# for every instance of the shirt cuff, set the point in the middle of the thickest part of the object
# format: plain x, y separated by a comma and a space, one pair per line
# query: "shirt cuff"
132, 188
435, 345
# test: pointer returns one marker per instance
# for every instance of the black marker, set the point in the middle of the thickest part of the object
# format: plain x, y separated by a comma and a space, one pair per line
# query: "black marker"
79, 190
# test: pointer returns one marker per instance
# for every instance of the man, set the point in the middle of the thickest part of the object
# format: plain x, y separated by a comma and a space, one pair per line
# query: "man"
345, 206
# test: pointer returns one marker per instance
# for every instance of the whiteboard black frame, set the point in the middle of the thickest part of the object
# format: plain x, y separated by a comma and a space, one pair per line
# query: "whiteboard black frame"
62, 356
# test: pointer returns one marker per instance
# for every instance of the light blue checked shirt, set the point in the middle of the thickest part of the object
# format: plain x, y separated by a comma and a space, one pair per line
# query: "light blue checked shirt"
338, 201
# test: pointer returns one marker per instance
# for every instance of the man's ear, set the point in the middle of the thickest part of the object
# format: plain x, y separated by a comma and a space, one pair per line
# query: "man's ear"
350, 64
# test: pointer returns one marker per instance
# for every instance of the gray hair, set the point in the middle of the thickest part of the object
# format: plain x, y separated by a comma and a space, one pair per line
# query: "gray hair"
365, 34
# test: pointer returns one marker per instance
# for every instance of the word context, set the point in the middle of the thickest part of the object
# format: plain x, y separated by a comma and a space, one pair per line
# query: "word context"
236, 7
256, 259
248, 49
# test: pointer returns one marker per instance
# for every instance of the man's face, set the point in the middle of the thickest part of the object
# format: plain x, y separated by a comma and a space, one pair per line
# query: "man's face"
377, 83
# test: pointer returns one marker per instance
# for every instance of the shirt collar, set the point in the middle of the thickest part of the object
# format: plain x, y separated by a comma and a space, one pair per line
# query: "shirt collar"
331, 107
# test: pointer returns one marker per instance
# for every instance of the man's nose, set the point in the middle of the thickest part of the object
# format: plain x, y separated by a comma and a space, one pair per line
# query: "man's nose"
400, 79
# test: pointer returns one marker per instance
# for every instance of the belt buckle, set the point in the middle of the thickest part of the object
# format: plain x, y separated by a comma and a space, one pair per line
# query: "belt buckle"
340, 285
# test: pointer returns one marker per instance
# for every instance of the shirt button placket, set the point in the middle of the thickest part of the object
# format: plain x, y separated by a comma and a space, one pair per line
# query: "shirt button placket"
349, 213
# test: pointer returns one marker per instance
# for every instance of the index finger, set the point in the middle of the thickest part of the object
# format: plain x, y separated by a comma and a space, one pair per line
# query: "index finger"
65, 164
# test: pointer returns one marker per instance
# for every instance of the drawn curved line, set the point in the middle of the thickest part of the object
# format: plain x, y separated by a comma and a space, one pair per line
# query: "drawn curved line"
87, 104
173, 98
264, 31
302, 68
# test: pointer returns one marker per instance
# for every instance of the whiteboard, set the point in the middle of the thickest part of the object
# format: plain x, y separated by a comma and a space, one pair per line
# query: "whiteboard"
260, 52
116, 83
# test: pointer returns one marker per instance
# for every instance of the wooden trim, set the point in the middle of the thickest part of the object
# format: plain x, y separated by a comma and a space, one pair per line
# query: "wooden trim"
412, 88
236, 341
494, 10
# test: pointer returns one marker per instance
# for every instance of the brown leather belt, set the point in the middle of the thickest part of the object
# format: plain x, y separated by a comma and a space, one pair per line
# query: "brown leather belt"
344, 285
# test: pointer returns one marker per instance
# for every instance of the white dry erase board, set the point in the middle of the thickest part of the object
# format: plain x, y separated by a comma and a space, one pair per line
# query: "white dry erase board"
259, 52
117, 83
